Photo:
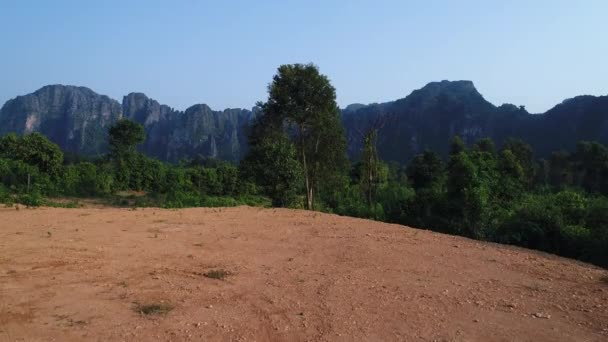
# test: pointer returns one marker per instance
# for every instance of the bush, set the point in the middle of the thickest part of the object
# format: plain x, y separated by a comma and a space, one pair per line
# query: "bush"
274, 166
536, 223
33, 199
597, 222
572, 205
5, 196
394, 198
575, 242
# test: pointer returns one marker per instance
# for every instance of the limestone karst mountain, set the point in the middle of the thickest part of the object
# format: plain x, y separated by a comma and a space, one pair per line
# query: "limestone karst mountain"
77, 119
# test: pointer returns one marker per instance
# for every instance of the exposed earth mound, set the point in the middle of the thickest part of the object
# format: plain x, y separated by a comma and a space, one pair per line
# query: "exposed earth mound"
245, 274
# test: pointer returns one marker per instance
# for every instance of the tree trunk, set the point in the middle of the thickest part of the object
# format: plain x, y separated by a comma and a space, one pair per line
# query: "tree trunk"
309, 193
311, 203
370, 180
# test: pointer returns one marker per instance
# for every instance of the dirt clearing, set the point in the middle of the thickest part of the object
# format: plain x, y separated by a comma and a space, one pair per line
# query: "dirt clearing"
245, 274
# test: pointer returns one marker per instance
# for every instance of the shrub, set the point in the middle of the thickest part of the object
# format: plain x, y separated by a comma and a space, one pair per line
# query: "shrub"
154, 308
33, 199
5, 195
575, 242
535, 223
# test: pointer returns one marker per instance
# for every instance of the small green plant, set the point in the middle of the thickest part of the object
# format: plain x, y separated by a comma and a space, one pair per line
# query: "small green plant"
153, 308
31, 200
219, 274
68, 205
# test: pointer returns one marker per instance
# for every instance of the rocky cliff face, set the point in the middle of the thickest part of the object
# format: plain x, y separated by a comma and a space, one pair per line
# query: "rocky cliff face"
430, 116
76, 118
157, 120
209, 133
199, 131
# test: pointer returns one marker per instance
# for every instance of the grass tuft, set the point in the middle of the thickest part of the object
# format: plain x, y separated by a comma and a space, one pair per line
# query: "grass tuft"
219, 274
153, 308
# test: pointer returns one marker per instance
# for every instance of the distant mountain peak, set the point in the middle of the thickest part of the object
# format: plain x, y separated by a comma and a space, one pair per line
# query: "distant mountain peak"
462, 87
354, 107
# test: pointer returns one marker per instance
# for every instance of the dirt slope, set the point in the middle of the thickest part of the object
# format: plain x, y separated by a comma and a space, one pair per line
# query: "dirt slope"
78, 274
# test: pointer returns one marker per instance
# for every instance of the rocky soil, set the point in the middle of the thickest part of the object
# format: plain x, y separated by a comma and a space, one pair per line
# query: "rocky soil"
250, 274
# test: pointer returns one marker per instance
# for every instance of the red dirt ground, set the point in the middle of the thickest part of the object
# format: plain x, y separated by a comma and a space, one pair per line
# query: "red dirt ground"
80, 274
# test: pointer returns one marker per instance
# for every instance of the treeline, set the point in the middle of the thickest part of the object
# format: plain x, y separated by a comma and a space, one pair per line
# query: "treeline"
494, 195
297, 159
33, 169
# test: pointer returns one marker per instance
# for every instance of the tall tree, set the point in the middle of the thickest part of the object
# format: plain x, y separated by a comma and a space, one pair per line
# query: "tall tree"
273, 165
591, 164
425, 170
485, 145
524, 155
124, 136
33, 149
370, 164
457, 145
302, 102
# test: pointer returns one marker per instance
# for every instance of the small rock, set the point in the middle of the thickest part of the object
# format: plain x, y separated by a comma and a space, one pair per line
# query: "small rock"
541, 315
476, 320
209, 306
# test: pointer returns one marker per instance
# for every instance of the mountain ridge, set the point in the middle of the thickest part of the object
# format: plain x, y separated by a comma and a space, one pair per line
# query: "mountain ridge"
77, 118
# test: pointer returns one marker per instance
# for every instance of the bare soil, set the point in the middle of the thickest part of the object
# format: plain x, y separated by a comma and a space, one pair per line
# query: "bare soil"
250, 274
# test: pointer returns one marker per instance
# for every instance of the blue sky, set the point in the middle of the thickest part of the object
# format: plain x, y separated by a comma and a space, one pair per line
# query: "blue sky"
224, 53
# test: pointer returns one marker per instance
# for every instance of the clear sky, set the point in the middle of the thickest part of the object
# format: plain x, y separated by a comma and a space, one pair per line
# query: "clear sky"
534, 53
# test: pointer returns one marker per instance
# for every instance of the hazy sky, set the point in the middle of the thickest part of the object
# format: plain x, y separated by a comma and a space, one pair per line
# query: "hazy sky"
224, 53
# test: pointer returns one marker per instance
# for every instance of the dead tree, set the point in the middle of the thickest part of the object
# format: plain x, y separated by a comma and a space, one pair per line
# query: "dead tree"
369, 158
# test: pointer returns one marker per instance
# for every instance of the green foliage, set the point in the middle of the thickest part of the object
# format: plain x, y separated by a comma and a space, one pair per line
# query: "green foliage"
563, 223
273, 165
467, 195
572, 205
512, 177
32, 199
302, 104
591, 164
575, 241
524, 155
124, 136
426, 171
535, 223
457, 145
350, 202
393, 198
33, 149
373, 172
5, 195
85, 179
485, 145
597, 222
